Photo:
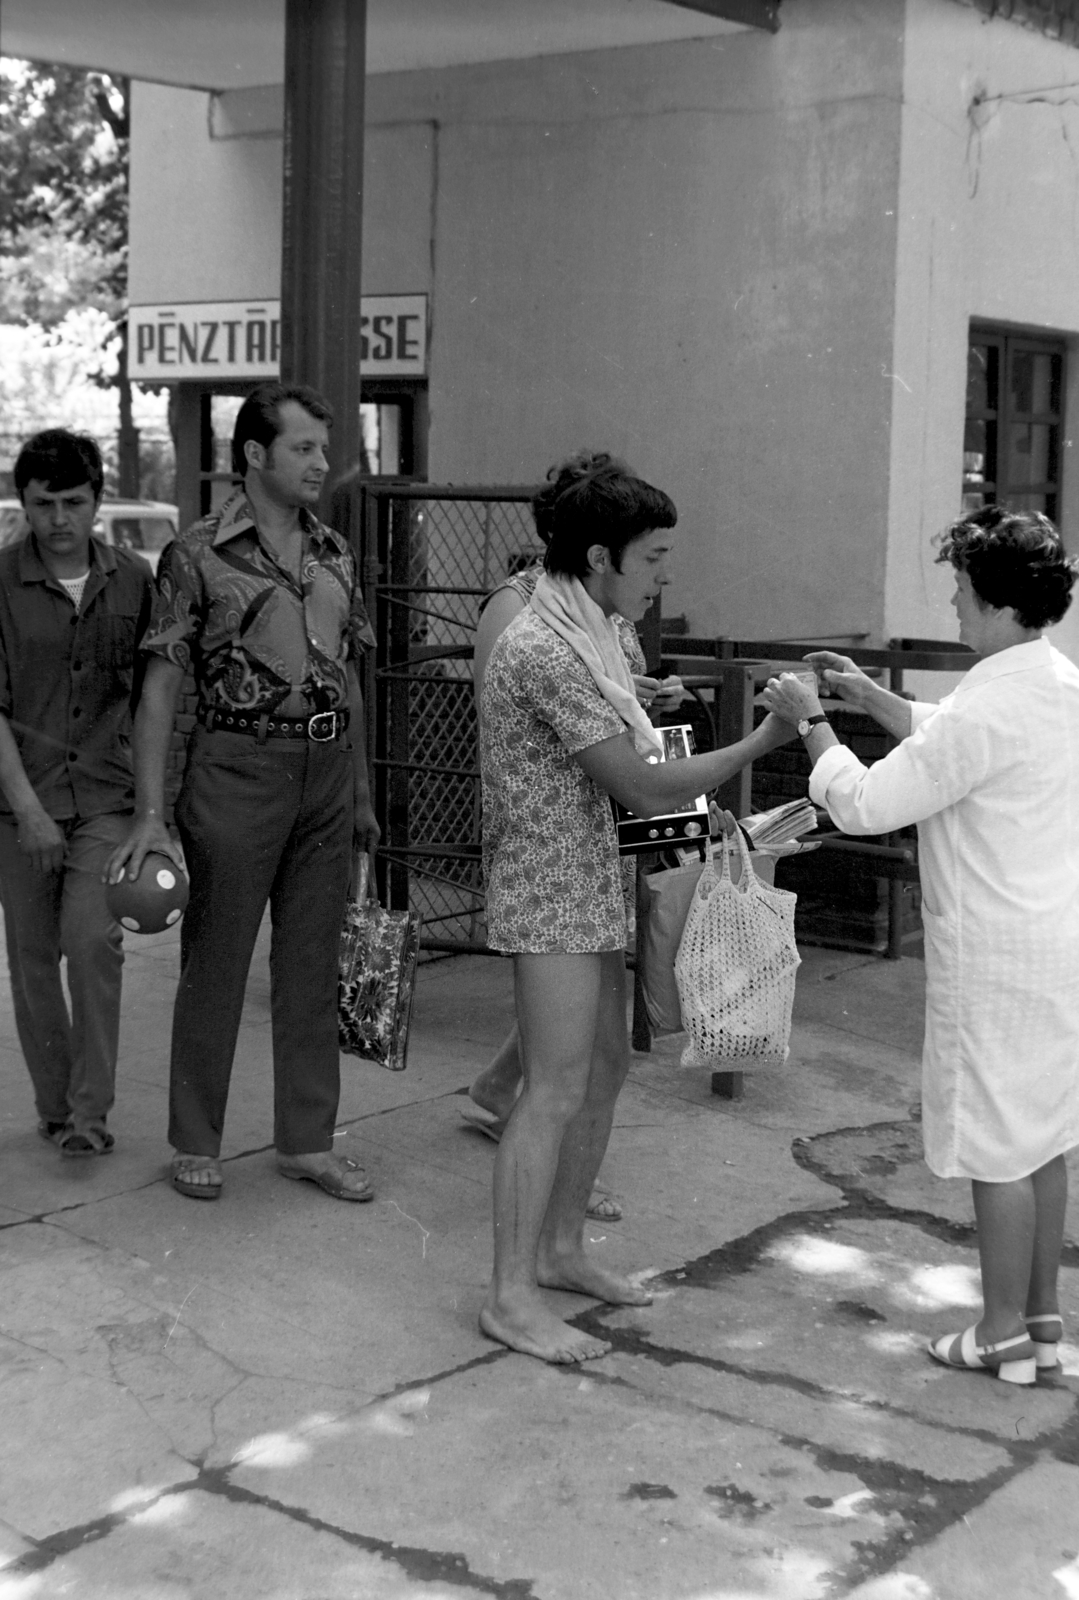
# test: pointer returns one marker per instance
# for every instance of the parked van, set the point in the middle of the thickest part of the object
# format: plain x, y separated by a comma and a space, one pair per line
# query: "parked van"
144, 526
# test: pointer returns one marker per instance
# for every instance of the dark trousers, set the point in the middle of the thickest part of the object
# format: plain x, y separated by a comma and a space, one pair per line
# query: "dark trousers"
48, 915
260, 822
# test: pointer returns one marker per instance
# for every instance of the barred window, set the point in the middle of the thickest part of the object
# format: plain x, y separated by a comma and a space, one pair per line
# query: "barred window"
1014, 421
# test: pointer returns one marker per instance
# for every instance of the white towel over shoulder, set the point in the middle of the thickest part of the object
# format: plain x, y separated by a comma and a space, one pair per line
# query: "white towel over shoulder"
565, 605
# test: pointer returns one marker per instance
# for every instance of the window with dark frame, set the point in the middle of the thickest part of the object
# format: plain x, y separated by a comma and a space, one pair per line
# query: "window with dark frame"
1014, 421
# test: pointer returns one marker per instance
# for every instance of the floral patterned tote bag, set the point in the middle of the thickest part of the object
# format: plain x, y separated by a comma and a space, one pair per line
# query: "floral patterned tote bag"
376, 978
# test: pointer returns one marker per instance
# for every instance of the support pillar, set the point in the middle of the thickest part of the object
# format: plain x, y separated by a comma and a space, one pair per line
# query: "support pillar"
325, 49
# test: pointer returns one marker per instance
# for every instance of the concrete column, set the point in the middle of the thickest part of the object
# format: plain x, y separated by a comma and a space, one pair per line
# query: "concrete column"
325, 46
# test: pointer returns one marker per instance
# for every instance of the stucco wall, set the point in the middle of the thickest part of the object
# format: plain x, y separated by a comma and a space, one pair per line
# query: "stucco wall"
684, 253
988, 229
206, 212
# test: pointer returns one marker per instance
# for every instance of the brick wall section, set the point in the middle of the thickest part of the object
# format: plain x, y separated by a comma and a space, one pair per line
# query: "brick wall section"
1058, 19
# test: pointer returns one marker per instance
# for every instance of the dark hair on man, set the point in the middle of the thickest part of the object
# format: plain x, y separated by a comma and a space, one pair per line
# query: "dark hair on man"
259, 418
60, 460
1013, 558
595, 499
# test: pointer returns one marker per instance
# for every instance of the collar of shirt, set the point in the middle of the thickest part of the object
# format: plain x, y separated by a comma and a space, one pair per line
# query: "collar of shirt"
237, 517
32, 568
1002, 663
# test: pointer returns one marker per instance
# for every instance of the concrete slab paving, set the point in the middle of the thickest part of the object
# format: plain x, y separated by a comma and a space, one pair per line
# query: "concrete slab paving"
279, 1396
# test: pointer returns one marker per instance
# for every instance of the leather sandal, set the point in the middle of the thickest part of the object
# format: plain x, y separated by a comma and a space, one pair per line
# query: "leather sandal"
603, 1207
182, 1168
50, 1130
1045, 1350
962, 1350
330, 1179
92, 1141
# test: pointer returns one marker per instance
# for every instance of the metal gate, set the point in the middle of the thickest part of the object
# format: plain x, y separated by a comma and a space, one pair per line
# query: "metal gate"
429, 556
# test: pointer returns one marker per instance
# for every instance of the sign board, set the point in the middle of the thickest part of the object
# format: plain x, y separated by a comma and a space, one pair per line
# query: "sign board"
230, 339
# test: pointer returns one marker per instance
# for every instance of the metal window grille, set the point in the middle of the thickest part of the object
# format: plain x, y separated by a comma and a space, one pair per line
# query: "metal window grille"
429, 557
1014, 421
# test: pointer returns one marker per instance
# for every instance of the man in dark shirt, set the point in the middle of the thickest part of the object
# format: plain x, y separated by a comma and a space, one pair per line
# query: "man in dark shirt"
263, 603
72, 614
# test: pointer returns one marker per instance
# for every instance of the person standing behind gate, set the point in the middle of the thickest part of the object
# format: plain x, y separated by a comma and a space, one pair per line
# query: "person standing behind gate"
263, 602
72, 612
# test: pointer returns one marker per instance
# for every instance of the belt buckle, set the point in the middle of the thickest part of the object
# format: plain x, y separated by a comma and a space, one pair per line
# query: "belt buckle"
315, 727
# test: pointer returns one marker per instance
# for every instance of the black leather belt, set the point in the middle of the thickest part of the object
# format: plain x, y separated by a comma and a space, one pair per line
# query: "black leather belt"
323, 727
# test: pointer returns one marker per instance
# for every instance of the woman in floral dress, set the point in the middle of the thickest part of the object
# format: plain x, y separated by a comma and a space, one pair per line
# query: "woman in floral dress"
555, 746
494, 1090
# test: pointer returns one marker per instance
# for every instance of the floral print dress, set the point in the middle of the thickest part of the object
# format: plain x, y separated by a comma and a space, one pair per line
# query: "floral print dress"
554, 878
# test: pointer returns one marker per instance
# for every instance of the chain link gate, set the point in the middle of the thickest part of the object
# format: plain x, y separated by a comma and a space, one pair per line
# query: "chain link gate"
429, 556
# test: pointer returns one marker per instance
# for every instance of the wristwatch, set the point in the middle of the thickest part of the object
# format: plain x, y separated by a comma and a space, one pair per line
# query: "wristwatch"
807, 724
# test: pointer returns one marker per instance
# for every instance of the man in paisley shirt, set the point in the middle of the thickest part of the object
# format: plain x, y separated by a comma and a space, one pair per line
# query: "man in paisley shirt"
262, 602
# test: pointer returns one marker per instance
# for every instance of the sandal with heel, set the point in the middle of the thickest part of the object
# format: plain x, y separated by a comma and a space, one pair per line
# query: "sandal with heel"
1045, 1350
963, 1350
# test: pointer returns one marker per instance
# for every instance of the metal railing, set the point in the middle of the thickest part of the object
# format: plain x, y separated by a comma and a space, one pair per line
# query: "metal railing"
731, 666
430, 554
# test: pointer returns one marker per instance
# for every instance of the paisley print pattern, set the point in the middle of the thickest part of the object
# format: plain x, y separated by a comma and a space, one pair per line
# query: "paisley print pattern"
554, 880
253, 634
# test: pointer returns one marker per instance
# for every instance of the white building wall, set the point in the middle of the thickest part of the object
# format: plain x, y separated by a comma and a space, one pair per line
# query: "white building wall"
989, 190
205, 213
684, 253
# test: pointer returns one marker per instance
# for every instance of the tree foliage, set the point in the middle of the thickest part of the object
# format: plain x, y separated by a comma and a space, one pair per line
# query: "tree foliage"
63, 182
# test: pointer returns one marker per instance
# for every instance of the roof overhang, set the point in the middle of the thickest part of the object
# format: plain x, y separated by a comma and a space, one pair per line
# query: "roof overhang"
205, 44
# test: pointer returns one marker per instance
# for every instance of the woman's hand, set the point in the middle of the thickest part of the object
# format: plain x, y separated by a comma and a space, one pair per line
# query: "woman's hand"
659, 695
669, 694
841, 675
721, 822
647, 689
788, 697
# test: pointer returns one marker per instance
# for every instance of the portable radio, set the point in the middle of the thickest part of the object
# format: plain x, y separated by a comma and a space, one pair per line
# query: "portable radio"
680, 827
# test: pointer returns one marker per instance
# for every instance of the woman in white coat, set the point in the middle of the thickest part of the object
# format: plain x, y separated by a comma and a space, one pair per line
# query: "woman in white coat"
991, 777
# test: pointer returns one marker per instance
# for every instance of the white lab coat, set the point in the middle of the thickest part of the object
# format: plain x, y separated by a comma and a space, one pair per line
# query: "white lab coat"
991, 777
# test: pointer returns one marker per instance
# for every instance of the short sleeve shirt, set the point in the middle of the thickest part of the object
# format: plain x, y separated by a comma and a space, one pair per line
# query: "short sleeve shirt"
253, 634
68, 676
549, 844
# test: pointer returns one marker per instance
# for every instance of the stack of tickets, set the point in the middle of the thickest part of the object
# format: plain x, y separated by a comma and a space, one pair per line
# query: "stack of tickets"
779, 831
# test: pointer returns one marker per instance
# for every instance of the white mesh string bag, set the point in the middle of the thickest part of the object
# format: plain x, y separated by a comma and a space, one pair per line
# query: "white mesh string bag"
735, 969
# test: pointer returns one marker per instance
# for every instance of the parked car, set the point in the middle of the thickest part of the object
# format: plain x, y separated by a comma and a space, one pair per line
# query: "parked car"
144, 526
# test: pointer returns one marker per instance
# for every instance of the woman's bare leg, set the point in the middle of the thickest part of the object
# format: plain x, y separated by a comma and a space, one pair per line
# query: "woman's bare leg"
496, 1089
561, 1259
558, 1003
1006, 1215
1050, 1202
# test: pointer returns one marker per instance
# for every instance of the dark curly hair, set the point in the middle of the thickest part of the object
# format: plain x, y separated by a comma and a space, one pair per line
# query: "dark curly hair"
1013, 558
60, 460
595, 499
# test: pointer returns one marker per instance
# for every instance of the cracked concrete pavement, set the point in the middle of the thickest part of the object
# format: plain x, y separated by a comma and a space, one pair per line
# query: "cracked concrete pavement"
277, 1397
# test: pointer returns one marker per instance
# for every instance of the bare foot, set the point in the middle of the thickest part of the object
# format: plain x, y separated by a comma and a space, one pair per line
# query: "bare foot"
533, 1330
581, 1275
